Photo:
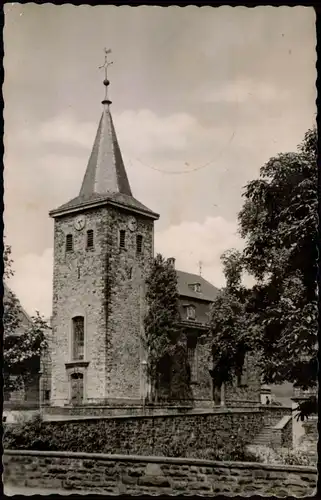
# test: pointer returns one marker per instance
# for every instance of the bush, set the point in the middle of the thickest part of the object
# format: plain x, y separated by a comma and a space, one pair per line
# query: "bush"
266, 455
295, 457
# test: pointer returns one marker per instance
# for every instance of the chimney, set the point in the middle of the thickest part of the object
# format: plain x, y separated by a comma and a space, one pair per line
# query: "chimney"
171, 262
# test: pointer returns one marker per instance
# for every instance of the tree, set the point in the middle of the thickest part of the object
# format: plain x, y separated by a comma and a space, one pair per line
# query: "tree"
162, 337
229, 323
22, 344
278, 223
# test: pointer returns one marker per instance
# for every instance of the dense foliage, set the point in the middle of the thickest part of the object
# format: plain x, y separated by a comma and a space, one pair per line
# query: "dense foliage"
229, 323
109, 436
163, 339
277, 317
23, 342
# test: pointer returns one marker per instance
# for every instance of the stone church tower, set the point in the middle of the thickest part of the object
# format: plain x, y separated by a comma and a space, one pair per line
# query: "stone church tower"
103, 244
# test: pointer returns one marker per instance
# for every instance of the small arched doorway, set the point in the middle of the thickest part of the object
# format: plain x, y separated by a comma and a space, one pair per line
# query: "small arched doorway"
77, 388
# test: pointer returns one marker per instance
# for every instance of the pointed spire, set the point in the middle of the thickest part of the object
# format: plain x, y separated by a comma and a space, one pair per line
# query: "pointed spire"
105, 170
105, 180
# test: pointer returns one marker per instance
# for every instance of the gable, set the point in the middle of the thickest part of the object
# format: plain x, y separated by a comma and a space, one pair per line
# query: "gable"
208, 292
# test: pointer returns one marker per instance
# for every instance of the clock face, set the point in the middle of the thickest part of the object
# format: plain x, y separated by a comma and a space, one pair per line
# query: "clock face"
132, 224
80, 223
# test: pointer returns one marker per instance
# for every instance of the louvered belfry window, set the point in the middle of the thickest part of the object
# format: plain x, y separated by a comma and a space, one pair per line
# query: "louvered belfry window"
90, 238
78, 326
69, 243
139, 243
122, 238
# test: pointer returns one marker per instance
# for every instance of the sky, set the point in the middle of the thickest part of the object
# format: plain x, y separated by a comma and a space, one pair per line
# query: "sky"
202, 98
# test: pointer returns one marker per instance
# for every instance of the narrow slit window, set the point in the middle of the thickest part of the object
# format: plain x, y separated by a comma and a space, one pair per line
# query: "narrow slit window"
139, 243
78, 338
69, 243
122, 238
90, 238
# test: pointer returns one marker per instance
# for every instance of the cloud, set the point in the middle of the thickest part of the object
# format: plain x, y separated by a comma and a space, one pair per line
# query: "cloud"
245, 90
194, 242
140, 132
63, 129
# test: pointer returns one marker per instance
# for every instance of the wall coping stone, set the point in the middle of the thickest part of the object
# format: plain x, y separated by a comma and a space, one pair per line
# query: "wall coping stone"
77, 418
275, 407
160, 459
283, 422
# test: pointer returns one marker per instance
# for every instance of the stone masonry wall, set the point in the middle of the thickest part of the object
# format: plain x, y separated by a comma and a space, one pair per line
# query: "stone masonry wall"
165, 435
248, 392
79, 294
202, 387
116, 475
103, 284
126, 276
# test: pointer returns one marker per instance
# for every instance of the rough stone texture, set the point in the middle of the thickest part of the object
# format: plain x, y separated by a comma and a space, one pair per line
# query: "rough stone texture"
168, 435
96, 283
287, 435
273, 414
309, 441
106, 285
247, 391
115, 475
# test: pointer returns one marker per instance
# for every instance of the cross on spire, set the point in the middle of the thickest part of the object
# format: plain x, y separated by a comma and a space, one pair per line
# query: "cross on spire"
106, 81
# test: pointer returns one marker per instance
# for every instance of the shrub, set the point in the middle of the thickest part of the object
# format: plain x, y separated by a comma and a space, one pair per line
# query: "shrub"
295, 457
266, 455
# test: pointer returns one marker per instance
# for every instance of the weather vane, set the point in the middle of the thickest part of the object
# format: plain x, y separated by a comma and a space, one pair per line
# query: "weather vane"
105, 65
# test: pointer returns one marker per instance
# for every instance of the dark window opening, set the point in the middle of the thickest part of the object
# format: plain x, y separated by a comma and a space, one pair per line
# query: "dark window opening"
122, 238
90, 238
78, 337
191, 313
139, 243
69, 243
47, 395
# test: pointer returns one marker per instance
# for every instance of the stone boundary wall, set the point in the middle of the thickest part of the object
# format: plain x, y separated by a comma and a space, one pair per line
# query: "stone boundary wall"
118, 474
273, 414
280, 419
160, 435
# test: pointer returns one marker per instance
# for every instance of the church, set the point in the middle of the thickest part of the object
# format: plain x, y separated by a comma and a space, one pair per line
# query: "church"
103, 246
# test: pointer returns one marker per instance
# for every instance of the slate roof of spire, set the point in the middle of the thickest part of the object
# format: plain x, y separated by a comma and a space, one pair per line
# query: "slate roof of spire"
105, 179
105, 171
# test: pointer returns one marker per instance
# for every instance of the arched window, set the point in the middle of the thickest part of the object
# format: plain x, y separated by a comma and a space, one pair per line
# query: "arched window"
78, 338
90, 238
69, 243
